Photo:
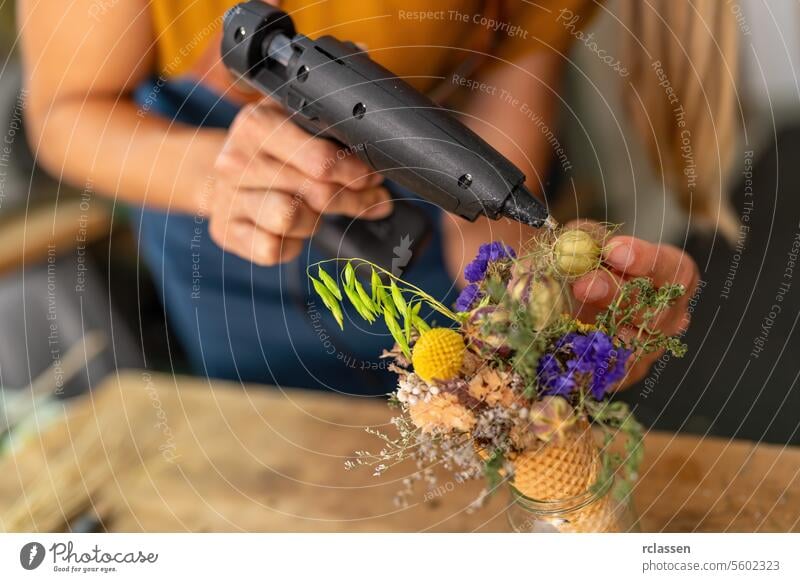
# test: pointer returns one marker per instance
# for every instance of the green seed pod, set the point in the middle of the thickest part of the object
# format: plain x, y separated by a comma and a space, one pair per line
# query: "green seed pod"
349, 275
329, 300
399, 300
541, 296
324, 293
329, 283
375, 283
488, 326
575, 253
385, 301
397, 333
420, 324
416, 320
336, 310
362, 309
365, 298
550, 418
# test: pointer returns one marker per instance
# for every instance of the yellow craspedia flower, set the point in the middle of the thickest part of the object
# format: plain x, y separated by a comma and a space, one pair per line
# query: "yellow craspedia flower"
438, 354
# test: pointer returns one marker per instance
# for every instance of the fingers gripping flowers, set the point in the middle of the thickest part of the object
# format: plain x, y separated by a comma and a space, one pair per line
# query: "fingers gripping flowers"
514, 371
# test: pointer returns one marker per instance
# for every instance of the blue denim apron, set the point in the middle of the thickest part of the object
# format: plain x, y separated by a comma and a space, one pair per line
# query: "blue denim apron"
242, 322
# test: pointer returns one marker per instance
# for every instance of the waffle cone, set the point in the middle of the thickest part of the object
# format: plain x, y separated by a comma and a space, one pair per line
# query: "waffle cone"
560, 469
564, 469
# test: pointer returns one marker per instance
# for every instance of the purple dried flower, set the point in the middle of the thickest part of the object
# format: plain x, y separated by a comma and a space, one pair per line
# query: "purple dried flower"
475, 271
497, 250
467, 297
551, 375
592, 357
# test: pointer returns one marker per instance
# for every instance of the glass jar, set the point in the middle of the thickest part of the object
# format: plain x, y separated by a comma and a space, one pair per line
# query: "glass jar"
602, 508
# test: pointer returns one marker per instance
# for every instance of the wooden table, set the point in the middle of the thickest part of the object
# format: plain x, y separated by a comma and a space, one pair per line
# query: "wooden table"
157, 453
31, 237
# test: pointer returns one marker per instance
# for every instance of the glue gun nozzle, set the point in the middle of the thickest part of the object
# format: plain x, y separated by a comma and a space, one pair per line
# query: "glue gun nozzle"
524, 207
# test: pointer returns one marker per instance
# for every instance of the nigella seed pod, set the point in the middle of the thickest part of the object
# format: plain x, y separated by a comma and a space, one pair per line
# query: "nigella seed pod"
575, 253
488, 313
519, 288
486, 327
541, 296
546, 302
551, 418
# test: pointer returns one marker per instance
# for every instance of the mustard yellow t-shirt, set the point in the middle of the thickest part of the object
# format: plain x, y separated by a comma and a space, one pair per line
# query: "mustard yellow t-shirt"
419, 40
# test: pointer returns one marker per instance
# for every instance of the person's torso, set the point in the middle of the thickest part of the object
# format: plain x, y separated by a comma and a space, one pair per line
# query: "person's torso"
411, 38
418, 40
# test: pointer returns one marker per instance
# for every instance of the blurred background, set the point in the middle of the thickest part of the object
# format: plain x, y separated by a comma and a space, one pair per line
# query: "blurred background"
76, 304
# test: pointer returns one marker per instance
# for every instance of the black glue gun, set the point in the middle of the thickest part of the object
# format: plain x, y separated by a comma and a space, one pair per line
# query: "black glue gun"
334, 90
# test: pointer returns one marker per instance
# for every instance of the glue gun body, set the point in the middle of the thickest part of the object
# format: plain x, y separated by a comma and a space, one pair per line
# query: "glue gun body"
334, 90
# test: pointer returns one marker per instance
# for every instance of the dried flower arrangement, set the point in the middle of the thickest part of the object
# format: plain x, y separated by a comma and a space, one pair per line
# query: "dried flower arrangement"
509, 388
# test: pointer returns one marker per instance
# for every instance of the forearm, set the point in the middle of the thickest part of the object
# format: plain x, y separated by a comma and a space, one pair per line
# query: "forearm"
507, 127
104, 144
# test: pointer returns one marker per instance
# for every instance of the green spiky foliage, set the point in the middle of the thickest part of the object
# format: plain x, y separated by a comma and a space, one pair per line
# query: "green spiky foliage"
389, 298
